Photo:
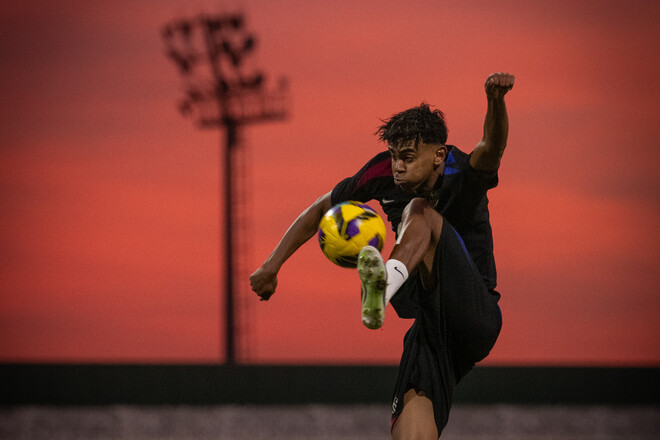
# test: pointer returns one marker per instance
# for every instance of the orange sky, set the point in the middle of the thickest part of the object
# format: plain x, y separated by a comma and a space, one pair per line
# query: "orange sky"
110, 200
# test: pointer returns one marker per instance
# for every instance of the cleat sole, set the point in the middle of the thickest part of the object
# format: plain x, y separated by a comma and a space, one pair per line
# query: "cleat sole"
371, 269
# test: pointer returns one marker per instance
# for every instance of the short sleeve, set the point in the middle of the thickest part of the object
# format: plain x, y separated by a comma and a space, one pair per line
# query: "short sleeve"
363, 185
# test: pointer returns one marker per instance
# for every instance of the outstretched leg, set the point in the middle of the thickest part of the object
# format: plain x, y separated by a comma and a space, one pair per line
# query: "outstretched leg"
419, 233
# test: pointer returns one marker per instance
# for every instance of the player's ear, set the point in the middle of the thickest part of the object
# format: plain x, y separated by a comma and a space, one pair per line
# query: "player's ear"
440, 154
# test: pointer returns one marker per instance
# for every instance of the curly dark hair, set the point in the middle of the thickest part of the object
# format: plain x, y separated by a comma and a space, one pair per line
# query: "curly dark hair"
414, 125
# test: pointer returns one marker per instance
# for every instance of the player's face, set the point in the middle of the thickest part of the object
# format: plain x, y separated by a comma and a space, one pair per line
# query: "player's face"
416, 167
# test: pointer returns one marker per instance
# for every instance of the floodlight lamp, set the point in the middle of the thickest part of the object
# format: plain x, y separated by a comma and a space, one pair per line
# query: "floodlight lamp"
180, 60
213, 24
224, 86
236, 21
186, 29
250, 43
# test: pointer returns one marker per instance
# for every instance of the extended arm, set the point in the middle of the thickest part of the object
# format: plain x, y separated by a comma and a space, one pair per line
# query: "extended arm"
264, 279
488, 152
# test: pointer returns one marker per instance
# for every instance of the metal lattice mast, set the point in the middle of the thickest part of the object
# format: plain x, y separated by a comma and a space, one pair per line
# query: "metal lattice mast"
222, 90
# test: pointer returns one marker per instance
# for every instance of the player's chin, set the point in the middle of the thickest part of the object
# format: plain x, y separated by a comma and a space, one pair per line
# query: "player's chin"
403, 185
407, 188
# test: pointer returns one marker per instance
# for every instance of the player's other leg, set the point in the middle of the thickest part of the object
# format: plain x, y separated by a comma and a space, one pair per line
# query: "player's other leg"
416, 421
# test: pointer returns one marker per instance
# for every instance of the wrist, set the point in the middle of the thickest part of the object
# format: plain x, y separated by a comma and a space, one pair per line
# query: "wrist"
271, 267
495, 99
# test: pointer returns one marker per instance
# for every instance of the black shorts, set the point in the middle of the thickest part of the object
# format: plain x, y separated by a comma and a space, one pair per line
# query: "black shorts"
456, 325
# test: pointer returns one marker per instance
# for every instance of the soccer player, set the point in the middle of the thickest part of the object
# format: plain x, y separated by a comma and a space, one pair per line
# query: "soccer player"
441, 271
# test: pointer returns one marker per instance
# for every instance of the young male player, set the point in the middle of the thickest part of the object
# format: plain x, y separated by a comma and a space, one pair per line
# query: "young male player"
441, 272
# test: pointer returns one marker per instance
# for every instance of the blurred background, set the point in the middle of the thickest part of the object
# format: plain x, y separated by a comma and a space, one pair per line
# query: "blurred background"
113, 202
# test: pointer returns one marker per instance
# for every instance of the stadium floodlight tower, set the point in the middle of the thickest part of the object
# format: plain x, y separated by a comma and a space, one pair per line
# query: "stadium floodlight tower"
223, 90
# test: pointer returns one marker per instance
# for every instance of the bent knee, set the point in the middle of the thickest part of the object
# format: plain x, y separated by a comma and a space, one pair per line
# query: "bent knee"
418, 205
422, 208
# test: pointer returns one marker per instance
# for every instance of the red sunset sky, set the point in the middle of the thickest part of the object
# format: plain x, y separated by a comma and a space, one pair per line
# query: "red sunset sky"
111, 207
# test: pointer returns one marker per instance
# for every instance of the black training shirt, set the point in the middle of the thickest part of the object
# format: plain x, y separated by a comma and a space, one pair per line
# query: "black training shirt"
460, 195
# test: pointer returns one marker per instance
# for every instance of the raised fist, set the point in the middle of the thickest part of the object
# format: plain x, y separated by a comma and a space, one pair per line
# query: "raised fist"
498, 84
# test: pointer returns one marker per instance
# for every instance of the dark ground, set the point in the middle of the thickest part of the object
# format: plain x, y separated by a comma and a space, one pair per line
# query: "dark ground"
324, 422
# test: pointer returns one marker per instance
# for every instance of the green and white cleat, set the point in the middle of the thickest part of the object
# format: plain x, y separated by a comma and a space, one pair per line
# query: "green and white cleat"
373, 275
